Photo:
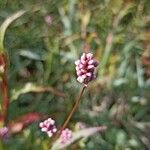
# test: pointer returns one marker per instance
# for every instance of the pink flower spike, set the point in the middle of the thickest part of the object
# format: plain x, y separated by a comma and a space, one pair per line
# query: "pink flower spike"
85, 68
65, 136
48, 126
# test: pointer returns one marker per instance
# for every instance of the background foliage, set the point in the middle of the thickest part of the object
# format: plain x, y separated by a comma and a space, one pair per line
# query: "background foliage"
42, 74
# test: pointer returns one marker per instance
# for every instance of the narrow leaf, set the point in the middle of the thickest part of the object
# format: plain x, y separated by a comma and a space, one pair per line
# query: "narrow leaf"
30, 87
18, 124
84, 133
5, 25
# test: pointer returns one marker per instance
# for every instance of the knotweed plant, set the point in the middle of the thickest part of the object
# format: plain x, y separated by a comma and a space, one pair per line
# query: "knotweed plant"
86, 72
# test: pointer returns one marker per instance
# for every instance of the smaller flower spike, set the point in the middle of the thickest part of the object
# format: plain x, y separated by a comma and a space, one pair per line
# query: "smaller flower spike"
66, 135
4, 133
48, 126
85, 68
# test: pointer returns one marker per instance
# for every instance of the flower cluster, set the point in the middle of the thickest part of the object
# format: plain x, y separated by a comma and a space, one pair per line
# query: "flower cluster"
65, 136
4, 133
85, 68
48, 126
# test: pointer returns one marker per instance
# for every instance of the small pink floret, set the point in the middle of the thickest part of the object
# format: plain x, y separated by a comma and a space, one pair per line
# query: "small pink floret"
85, 68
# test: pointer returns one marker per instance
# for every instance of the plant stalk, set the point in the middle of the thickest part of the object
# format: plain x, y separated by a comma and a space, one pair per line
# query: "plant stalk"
70, 115
4, 86
73, 109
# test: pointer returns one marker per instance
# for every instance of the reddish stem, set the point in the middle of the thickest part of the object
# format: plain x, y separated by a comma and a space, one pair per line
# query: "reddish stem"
70, 115
73, 109
4, 86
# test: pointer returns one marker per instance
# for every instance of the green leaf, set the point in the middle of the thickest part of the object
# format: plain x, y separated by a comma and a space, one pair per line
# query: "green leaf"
30, 87
5, 25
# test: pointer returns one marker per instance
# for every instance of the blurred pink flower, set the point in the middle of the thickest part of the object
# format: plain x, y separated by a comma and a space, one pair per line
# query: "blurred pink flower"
85, 68
48, 19
48, 126
4, 133
66, 135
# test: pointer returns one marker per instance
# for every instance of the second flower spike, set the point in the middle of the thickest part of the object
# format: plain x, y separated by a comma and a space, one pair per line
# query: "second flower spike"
48, 126
65, 136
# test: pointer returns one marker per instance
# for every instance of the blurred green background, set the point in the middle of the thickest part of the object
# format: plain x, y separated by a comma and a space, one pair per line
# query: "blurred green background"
44, 43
